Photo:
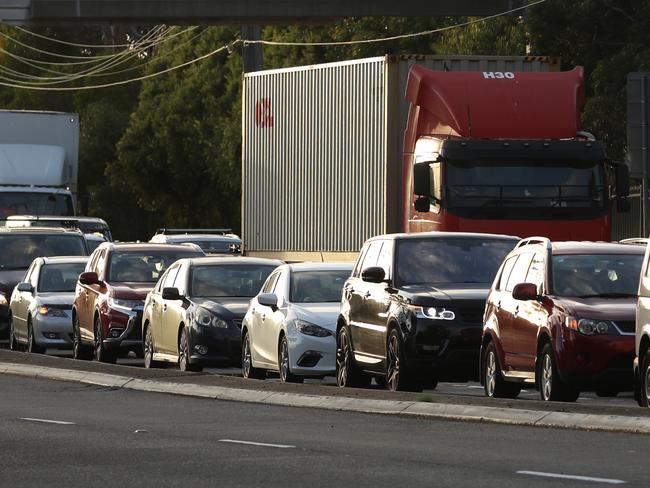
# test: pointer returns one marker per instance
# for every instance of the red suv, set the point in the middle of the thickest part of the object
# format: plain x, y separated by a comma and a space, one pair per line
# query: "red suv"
110, 293
561, 315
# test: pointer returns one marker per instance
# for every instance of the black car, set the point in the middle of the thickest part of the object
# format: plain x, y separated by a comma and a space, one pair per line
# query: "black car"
19, 247
194, 314
412, 311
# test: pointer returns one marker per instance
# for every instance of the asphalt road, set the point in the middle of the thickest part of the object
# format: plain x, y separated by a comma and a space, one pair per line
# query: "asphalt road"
66, 434
624, 399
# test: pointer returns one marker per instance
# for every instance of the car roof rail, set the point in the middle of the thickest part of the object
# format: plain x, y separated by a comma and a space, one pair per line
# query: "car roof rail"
634, 240
545, 241
167, 231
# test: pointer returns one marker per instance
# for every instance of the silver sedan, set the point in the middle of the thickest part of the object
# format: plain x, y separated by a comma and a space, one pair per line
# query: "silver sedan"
41, 305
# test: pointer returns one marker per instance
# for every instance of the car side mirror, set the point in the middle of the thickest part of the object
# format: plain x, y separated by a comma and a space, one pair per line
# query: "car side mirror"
622, 180
268, 300
88, 278
170, 293
422, 179
374, 274
422, 204
525, 291
25, 286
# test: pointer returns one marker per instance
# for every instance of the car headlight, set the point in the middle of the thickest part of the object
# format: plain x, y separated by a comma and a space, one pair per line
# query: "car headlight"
591, 327
208, 319
435, 313
124, 306
51, 311
310, 329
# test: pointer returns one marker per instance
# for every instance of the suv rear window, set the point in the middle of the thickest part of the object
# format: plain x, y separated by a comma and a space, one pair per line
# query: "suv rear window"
449, 260
19, 250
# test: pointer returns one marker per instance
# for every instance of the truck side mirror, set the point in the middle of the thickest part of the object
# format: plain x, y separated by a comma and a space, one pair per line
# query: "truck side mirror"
622, 180
422, 179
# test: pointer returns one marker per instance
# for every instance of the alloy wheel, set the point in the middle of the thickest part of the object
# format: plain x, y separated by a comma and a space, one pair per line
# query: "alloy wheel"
392, 366
647, 385
246, 362
490, 373
547, 377
182, 352
12, 336
148, 349
342, 359
284, 360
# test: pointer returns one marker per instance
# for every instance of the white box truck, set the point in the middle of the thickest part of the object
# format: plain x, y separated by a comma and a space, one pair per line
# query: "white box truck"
38, 162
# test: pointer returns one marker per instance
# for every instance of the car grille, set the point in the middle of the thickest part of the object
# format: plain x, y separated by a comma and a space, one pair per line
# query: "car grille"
628, 326
472, 316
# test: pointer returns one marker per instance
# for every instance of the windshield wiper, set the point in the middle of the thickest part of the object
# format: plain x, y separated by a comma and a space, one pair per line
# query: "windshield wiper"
608, 295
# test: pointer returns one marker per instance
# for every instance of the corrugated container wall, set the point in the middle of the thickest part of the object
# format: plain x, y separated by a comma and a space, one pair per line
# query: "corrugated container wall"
322, 149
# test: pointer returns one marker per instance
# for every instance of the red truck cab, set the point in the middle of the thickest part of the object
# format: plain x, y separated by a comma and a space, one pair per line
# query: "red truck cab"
502, 152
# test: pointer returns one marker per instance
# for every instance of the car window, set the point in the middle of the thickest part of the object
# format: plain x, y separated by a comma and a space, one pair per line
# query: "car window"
519, 271
29, 275
270, 282
280, 284
231, 280
536, 272
505, 272
317, 286
59, 277
100, 264
385, 258
357, 266
370, 259
170, 276
180, 282
142, 266
19, 250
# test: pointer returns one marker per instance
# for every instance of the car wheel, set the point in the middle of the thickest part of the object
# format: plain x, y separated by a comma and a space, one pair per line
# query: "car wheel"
184, 354
101, 354
284, 365
248, 370
551, 387
398, 376
645, 380
347, 371
493, 383
148, 348
31, 340
13, 343
79, 351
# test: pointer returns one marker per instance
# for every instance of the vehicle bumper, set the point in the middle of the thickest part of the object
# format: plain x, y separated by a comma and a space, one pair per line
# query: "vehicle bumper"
451, 349
590, 362
311, 355
53, 332
130, 339
215, 346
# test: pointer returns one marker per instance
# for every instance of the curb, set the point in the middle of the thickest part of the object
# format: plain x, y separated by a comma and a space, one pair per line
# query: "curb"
443, 411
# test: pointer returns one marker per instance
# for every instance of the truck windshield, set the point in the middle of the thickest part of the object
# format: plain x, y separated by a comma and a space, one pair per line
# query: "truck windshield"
18, 251
537, 184
32, 203
450, 260
594, 275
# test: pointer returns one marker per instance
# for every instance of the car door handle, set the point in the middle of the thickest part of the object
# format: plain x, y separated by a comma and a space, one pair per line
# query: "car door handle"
498, 305
366, 294
164, 307
516, 312
263, 318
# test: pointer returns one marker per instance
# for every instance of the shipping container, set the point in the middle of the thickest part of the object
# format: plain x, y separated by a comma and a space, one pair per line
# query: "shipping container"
322, 151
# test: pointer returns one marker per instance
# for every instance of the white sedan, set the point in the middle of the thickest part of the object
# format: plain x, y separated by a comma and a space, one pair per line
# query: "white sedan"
290, 326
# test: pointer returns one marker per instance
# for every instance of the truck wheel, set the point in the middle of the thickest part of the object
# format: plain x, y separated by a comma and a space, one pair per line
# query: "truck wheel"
101, 354
493, 383
347, 371
551, 387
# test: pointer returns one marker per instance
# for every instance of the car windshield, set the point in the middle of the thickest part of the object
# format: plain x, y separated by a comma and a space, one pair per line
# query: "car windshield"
450, 260
17, 251
588, 275
228, 280
143, 266
59, 277
318, 286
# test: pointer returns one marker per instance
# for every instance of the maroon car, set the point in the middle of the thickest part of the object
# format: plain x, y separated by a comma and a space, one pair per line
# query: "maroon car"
110, 294
561, 316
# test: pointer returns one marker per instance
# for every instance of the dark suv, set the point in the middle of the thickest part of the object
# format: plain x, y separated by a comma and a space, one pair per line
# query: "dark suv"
561, 316
411, 312
110, 293
19, 247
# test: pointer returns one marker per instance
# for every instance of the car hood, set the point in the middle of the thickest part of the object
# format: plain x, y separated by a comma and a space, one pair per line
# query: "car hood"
447, 291
60, 298
131, 291
601, 308
235, 306
9, 278
322, 314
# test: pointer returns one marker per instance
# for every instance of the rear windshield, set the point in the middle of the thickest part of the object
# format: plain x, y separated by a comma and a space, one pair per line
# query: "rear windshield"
18, 251
59, 277
231, 280
317, 286
143, 266
595, 275
449, 260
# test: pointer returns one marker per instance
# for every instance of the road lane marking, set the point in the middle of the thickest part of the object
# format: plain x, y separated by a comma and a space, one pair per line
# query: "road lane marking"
45, 421
262, 444
573, 477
